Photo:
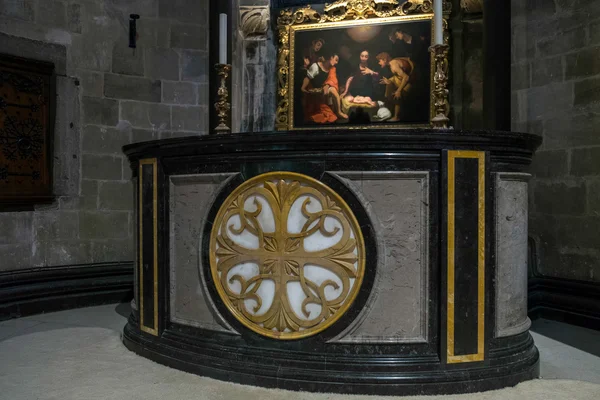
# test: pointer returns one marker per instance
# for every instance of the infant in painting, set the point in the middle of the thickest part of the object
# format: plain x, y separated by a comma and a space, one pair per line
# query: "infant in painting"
360, 100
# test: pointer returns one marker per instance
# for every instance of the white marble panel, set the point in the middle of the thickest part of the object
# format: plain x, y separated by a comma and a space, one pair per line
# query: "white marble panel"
398, 206
320, 275
245, 238
317, 241
266, 218
246, 270
511, 254
190, 199
296, 296
296, 219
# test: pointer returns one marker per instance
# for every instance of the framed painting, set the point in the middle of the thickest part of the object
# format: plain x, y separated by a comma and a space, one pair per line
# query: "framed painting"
360, 64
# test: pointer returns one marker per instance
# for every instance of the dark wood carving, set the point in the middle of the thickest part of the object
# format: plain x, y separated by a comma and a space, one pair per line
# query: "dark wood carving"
27, 108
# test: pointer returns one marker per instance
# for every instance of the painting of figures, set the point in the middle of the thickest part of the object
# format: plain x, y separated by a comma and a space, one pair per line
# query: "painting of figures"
368, 73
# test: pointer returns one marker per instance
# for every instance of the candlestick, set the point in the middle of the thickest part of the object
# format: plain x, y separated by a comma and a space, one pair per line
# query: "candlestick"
438, 21
222, 104
222, 38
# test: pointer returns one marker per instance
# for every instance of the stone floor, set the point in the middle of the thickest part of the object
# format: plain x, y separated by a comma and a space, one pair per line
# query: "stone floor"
32, 367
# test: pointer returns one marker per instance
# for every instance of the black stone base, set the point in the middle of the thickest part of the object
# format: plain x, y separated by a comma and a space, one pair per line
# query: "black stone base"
511, 361
48, 289
565, 300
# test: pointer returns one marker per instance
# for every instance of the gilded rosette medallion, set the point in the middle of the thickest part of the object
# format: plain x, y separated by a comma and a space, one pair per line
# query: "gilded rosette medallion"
287, 255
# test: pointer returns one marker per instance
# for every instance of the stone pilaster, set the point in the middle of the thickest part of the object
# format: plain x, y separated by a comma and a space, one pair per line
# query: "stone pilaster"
253, 97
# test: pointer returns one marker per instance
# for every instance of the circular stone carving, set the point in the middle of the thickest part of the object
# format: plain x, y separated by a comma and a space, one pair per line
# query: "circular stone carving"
286, 255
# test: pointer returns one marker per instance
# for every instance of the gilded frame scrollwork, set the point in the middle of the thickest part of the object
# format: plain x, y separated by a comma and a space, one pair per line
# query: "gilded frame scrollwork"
351, 13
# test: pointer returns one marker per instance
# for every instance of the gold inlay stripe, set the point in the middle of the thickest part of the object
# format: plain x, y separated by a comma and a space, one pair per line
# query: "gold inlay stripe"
153, 329
479, 356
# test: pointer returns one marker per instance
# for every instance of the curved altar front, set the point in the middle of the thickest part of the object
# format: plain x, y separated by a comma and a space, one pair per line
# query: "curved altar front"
360, 261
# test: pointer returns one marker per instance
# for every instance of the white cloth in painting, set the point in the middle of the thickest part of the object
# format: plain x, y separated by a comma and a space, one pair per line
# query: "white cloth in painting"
313, 71
384, 113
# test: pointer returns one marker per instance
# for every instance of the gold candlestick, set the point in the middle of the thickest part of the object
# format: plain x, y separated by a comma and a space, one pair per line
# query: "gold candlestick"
440, 90
222, 104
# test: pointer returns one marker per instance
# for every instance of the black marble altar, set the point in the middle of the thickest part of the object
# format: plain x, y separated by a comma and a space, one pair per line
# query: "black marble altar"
461, 195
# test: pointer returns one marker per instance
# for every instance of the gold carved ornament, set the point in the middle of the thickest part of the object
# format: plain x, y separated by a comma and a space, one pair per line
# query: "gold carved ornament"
440, 90
281, 256
222, 104
340, 10
472, 6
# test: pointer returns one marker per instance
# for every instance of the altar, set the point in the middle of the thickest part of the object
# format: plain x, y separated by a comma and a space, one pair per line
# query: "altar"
364, 246
351, 261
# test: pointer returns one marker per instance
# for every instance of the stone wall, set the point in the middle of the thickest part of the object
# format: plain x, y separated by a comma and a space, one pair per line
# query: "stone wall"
108, 95
556, 93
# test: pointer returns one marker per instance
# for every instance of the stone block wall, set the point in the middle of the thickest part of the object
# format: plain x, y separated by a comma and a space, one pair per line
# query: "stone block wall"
108, 95
556, 93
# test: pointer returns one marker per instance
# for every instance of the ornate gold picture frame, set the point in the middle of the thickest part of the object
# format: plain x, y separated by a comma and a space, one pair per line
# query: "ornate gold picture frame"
319, 87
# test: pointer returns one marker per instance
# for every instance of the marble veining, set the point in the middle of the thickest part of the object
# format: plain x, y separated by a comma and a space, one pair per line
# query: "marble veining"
511, 254
398, 206
190, 199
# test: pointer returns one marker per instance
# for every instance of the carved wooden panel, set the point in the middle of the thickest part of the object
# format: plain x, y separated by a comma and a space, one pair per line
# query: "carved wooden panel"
27, 107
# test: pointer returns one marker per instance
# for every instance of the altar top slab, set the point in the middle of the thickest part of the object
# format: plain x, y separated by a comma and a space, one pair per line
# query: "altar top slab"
368, 142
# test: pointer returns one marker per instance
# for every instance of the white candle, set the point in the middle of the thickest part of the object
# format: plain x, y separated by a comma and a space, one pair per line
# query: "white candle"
222, 38
438, 23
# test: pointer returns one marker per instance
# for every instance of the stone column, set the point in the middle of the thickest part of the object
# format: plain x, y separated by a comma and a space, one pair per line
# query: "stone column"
253, 80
